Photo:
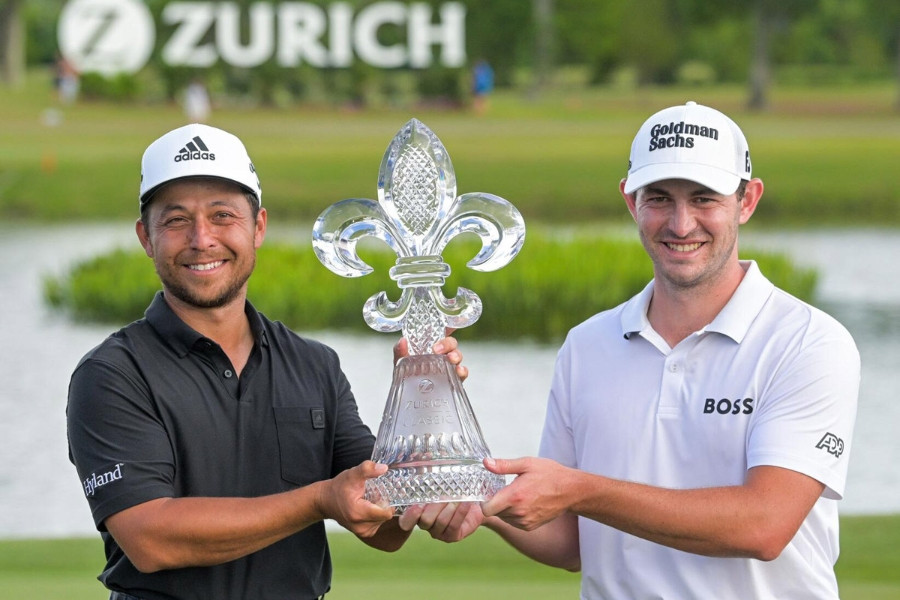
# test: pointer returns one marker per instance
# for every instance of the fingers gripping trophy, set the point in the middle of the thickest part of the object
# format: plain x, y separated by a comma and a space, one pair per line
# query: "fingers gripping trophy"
428, 436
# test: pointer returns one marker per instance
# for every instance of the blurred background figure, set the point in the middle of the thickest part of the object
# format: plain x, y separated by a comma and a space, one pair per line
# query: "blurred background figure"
482, 85
65, 80
196, 102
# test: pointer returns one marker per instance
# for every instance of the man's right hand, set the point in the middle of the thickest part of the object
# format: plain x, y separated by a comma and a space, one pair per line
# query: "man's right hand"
342, 499
541, 492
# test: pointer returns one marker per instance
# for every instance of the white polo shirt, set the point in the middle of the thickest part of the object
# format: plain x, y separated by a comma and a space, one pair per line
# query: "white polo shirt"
771, 381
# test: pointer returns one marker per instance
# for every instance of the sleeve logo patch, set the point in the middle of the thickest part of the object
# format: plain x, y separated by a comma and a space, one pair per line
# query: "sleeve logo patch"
92, 483
832, 444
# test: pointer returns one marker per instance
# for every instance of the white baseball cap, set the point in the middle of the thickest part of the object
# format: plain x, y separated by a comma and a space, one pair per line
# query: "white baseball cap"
692, 142
196, 150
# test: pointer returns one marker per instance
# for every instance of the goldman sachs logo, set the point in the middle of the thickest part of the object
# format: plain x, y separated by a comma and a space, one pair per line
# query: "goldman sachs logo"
118, 36
679, 135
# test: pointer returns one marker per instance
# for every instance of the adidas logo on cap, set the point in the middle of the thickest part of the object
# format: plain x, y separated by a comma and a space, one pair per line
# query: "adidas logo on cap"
194, 150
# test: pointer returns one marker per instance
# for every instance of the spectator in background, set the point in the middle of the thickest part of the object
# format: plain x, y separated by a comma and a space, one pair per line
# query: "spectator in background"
197, 106
66, 80
482, 85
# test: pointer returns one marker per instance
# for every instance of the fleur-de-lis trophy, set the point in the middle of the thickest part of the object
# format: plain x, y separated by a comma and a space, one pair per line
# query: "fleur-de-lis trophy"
428, 436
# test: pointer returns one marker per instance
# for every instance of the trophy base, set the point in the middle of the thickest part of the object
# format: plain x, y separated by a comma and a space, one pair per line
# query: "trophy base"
433, 482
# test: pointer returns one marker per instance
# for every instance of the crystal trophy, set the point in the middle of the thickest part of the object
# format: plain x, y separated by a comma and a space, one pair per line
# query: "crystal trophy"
428, 436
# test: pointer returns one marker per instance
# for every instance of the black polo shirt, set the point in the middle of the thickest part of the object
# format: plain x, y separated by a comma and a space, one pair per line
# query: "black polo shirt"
156, 411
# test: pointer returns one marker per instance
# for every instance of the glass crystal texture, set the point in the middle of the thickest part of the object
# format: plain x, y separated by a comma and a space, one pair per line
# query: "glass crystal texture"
430, 439
428, 436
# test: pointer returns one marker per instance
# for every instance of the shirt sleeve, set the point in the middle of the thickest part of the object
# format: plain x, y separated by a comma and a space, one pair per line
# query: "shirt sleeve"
353, 440
806, 420
116, 442
557, 439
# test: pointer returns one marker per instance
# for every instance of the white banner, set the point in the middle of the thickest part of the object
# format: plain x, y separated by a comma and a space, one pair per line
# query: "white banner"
118, 36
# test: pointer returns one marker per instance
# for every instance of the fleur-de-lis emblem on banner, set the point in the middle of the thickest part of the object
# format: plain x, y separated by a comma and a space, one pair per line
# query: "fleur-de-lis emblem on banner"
416, 215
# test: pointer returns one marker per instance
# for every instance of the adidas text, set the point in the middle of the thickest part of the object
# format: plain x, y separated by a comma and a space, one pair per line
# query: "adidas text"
196, 155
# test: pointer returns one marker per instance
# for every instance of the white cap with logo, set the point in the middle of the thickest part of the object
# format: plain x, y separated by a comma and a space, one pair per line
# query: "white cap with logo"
692, 142
196, 150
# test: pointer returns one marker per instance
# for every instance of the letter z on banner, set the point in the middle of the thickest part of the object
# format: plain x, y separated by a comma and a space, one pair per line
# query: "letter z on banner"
106, 36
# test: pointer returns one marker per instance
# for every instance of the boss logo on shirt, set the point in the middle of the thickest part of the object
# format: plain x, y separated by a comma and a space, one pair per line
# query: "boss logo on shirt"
832, 444
96, 481
724, 406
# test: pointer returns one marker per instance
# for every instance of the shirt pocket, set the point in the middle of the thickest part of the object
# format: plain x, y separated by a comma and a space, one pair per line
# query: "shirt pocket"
302, 444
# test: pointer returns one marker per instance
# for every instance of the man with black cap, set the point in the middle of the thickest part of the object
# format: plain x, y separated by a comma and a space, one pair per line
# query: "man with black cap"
212, 442
697, 436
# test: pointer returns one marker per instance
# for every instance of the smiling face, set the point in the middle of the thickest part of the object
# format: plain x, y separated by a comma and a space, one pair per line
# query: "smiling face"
202, 238
691, 232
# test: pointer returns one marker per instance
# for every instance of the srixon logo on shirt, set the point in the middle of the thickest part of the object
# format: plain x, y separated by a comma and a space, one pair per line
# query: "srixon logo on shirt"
96, 481
679, 135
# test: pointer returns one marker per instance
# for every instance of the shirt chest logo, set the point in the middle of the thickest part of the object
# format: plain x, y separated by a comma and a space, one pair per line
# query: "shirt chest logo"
726, 406
317, 416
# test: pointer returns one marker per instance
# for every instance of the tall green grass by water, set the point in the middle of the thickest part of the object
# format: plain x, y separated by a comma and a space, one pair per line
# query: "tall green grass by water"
556, 281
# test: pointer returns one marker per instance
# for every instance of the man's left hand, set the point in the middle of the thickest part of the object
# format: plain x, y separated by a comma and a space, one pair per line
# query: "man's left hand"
447, 346
448, 522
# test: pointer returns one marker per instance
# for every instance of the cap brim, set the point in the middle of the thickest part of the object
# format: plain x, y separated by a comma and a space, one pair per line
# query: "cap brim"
147, 197
715, 179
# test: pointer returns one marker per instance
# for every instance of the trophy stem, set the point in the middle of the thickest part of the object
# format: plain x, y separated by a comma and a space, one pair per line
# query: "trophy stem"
430, 439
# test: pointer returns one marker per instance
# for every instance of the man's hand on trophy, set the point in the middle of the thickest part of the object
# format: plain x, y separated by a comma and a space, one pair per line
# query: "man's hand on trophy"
541, 491
341, 499
447, 522
447, 346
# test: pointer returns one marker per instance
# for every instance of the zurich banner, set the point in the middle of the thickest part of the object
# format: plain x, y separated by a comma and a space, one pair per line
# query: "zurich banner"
120, 36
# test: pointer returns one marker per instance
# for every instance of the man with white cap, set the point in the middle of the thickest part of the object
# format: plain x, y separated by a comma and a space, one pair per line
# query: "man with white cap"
210, 441
697, 436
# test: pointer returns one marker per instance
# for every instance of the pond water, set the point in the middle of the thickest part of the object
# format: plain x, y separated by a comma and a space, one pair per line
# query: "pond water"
39, 491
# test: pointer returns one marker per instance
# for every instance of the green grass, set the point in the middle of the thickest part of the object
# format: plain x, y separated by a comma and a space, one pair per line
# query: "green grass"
825, 154
481, 566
